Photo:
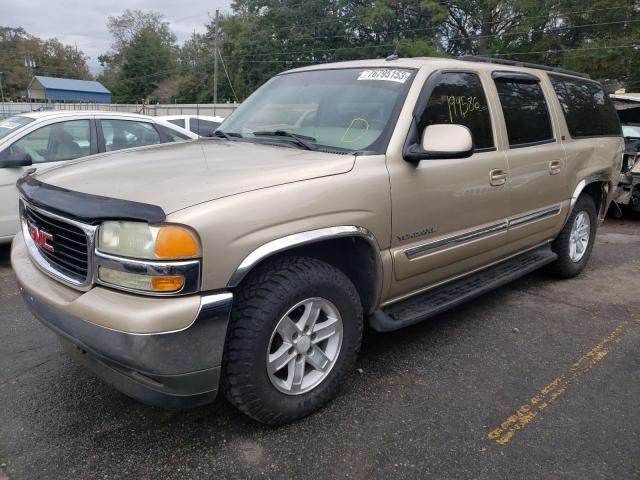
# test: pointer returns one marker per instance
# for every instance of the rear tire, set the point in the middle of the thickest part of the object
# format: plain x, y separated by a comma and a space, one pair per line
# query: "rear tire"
574, 243
285, 356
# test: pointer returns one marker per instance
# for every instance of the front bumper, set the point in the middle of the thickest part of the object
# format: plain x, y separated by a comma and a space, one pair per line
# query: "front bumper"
174, 369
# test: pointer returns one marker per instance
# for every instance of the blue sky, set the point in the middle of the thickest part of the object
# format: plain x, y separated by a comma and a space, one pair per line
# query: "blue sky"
84, 22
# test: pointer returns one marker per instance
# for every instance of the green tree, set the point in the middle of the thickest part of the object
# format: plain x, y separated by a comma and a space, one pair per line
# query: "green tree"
23, 55
143, 53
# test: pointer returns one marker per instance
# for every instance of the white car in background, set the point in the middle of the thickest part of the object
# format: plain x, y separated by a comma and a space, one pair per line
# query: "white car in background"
46, 139
202, 125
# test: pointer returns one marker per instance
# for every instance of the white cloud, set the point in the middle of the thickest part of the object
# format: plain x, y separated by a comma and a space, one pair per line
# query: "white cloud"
85, 22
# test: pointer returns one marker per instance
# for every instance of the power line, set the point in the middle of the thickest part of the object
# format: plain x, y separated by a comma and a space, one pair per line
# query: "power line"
224, 66
495, 35
357, 16
637, 45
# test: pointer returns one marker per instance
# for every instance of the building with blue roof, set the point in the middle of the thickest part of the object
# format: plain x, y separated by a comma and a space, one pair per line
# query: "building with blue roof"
67, 90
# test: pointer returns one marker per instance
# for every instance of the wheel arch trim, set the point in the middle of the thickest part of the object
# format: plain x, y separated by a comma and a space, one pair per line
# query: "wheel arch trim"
606, 182
305, 238
598, 177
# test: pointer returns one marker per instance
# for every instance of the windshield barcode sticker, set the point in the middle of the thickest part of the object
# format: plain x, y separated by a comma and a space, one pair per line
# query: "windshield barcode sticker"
399, 76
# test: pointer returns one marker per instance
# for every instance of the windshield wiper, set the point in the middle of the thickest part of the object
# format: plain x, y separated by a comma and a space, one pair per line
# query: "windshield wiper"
302, 140
221, 134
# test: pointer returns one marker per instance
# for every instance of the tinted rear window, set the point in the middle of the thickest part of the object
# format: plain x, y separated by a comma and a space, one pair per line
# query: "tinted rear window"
587, 108
177, 121
202, 127
525, 111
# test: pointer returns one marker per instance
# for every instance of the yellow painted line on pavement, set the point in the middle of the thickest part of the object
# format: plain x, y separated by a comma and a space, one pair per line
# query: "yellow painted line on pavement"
9, 295
528, 411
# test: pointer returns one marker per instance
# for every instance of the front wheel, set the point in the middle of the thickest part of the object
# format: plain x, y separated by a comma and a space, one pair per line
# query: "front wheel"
574, 243
294, 335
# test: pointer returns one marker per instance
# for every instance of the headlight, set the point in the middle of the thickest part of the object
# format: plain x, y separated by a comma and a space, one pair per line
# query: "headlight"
144, 241
150, 259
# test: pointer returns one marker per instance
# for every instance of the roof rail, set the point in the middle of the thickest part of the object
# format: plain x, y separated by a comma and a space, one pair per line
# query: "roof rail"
515, 63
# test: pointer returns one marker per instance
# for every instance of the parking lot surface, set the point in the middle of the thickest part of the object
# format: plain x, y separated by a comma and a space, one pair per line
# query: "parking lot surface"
540, 379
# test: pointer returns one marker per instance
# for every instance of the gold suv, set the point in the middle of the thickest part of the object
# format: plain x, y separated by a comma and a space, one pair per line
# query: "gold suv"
376, 191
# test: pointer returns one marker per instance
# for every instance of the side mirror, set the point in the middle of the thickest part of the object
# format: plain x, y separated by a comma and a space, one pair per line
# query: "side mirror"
440, 142
15, 160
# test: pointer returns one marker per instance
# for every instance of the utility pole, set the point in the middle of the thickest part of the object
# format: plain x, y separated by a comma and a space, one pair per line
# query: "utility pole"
215, 61
2, 94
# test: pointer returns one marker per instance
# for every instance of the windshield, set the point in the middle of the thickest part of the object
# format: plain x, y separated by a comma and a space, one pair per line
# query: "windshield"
344, 109
631, 131
11, 124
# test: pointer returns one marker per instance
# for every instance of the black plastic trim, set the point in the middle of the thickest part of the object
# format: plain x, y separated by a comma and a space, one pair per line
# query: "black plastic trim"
532, 144
86, 207
427, 304
515, 63
517, 76
93, 137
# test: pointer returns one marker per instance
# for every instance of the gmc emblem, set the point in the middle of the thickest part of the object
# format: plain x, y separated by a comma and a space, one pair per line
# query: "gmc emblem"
40, 237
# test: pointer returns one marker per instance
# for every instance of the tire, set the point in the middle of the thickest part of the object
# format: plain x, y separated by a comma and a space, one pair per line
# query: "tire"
568, 265
266, 300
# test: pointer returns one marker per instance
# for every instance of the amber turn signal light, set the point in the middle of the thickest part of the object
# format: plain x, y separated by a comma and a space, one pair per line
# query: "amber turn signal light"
176, 242
166, 284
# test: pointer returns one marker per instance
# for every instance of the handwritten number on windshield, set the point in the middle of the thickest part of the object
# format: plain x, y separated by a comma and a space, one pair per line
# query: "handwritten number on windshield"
460, 107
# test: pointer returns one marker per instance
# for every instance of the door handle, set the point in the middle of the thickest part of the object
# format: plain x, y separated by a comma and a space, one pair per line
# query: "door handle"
554, 167
498, 177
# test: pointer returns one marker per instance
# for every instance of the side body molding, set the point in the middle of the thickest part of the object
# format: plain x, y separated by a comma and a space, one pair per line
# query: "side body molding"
305, 238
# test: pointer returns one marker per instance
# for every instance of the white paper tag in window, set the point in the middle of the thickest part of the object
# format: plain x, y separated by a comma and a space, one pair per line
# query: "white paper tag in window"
386, 74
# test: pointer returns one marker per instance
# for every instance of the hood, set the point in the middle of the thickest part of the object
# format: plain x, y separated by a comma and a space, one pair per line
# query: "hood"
178, 175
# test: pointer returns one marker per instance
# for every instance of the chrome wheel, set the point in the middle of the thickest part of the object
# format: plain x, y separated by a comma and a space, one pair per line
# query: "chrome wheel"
579, 237
304, 346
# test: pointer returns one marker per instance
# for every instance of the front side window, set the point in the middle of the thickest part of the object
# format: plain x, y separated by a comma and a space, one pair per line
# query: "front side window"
119, 134
177, 121
56, 142
525, 111
587, 108
459, 98
343, 110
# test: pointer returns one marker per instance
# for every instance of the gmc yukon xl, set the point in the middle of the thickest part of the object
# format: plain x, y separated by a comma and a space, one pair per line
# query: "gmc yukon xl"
377, 192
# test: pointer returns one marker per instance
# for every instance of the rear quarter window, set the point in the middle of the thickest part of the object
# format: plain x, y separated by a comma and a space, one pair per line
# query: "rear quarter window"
587, 108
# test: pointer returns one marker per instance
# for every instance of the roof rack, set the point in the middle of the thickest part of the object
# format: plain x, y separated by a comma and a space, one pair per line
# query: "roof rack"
514, 63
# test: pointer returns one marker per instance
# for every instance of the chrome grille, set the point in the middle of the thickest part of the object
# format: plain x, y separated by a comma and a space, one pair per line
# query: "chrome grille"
67, 253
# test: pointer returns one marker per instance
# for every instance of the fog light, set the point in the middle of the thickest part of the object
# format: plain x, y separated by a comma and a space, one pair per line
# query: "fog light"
136, 281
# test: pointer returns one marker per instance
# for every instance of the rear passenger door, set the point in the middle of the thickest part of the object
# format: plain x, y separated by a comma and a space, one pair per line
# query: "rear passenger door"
537, 164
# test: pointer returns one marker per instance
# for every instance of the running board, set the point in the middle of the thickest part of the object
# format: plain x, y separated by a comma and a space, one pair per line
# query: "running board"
437, 300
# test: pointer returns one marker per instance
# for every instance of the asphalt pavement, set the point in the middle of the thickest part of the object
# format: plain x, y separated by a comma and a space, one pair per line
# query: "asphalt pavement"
540, 379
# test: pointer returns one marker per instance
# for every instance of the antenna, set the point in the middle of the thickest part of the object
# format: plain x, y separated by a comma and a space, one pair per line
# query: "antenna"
394, 55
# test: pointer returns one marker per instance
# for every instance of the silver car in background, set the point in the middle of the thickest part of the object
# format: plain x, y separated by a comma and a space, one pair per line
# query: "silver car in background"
46, 139
202, 125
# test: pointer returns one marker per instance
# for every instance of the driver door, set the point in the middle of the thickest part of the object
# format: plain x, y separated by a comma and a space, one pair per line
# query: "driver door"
449, 216
48, 145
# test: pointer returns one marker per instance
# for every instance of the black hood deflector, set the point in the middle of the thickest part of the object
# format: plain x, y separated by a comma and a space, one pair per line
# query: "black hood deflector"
85, 207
